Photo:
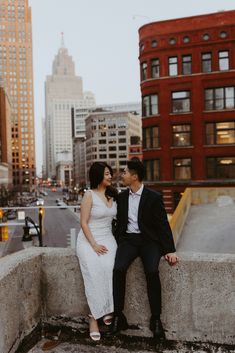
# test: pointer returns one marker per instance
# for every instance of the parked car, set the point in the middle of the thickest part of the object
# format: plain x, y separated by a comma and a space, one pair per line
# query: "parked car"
40, 202
62, 205
32, 229
11, 214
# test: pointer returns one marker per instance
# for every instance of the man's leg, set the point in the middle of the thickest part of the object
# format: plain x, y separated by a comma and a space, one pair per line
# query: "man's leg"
151, 255
126, 253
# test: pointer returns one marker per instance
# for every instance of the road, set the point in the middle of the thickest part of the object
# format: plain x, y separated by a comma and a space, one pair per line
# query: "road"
57, 224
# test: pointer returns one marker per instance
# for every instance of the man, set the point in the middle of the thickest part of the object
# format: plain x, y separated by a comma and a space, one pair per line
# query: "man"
142, 230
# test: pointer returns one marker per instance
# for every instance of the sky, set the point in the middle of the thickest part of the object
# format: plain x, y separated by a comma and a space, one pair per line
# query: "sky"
102, 38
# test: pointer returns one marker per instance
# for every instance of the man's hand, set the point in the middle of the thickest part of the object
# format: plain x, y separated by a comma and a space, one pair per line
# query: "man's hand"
171, 258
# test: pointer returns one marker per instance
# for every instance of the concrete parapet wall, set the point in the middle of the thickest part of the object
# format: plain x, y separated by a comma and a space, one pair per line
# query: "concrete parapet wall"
209, 195
198, 295
20, 297
180, 215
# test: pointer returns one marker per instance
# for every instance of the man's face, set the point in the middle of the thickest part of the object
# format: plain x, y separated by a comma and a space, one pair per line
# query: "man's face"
127, 177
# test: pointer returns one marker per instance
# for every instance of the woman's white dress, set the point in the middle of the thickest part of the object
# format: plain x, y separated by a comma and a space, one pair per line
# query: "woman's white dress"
97, 271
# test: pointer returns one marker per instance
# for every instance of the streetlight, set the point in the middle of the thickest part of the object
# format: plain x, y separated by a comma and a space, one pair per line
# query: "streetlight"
28, 239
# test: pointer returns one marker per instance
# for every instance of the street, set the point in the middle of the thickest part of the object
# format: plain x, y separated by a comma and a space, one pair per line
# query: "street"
57, 224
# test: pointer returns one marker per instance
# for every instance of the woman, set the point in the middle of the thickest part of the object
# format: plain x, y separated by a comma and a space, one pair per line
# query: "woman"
96, 246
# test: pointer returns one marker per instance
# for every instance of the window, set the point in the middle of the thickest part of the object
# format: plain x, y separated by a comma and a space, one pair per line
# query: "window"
172, 41
220, 167
222, 133
180, 101
144, 68
206, 62
186, 39
150, 105
223, 60
155, 68
187, 64
121, 133
173, 66
219, 98
181, 135
182, 168
223, 34
206, 36
154, 44
151, 137
152, 168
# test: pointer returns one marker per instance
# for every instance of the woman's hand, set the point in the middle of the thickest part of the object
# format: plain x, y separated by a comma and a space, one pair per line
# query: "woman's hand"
99, 249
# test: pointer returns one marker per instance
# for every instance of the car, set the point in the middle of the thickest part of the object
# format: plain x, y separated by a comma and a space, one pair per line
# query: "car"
11, 214
40, 202
62, 205
33, 230
53, 189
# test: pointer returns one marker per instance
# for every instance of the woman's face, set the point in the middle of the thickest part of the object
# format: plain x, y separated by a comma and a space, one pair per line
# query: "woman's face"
107, 177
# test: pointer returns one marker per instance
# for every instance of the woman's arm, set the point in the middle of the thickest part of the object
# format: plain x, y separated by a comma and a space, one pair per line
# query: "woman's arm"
84, 218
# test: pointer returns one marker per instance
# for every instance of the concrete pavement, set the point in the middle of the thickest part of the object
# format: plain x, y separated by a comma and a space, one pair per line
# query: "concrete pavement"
209, 228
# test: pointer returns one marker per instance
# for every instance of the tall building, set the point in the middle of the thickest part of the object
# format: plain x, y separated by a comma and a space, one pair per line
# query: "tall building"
122, 107
108, 137
16, 70
5, 141
63, 91
188, 102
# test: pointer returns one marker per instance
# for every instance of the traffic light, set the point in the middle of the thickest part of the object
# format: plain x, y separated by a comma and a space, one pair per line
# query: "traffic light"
4, 229
41, 211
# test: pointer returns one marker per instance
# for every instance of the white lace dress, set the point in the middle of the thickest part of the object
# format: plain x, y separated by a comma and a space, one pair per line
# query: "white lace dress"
97, 271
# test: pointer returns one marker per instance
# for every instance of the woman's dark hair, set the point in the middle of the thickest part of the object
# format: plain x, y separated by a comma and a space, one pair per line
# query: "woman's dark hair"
135, 166
96, 175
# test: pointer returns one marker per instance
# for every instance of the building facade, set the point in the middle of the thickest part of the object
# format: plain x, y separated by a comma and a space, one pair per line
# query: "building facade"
63, 91
108, 137
187, 69
16, 70
5, 141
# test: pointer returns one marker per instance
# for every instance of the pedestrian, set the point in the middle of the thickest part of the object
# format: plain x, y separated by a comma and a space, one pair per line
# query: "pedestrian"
142, 230
96, 245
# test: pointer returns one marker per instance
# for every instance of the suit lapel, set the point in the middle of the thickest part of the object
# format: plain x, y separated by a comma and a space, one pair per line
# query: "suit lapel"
143, 199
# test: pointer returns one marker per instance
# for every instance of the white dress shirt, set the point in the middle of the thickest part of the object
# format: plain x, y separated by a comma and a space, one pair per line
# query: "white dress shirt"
133, 207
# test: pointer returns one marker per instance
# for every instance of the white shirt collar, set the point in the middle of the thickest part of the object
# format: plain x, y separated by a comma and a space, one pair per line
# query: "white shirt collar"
138, 192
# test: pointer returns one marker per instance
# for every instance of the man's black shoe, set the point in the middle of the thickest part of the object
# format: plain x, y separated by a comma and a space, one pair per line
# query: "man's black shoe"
119, 323
156, 328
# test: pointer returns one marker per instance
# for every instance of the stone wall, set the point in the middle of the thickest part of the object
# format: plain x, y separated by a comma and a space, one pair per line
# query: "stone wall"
198, 295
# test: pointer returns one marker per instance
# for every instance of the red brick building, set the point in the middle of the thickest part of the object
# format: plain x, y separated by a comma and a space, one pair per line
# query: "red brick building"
187, 69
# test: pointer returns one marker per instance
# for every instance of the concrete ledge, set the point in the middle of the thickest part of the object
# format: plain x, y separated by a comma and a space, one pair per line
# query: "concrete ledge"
20, 297
198, 295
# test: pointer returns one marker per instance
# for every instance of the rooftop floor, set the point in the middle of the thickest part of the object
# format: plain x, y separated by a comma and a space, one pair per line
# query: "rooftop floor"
72, 340
209, 228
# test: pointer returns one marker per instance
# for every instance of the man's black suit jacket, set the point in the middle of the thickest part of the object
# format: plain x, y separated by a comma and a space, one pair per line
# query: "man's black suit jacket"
152, 219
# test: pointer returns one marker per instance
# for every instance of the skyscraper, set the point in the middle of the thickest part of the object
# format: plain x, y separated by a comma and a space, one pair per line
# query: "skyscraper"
63, 91
16, 71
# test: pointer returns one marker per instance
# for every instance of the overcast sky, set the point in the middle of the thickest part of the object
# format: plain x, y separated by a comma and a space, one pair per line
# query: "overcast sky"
102, 37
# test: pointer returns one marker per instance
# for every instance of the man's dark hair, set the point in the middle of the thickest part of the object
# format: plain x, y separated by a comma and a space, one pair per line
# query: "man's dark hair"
135, 166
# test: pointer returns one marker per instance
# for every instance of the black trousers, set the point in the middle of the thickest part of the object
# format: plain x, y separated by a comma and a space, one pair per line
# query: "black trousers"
130, 247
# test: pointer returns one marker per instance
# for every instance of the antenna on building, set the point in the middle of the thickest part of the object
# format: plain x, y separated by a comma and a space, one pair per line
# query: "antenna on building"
62, 40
